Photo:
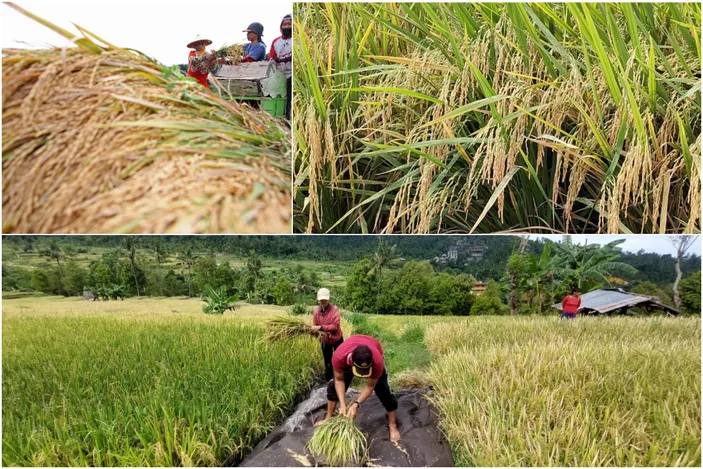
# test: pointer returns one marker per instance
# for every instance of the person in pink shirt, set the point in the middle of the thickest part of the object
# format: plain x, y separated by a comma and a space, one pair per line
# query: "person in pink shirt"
361, 356
326, 318
571, 304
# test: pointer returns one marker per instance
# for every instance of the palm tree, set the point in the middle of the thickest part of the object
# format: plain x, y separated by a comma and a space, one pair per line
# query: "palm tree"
589, 265
188, 258
681, 243
383, 257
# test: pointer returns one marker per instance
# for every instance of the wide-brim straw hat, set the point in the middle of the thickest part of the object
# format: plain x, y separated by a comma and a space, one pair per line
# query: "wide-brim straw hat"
198, 39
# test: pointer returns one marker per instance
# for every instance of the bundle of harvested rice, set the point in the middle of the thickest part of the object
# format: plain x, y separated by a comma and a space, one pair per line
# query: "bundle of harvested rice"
100, 139
232, 52
282, 328
339, 442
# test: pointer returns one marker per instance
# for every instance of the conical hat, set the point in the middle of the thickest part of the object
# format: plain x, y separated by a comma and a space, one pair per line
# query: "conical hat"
197, 39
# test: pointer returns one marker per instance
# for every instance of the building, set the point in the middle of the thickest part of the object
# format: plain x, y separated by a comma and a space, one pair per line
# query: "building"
618, 301
479, 288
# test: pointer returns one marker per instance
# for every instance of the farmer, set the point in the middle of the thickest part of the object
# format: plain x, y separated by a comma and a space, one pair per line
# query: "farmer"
571, 304
255, 51
282, 54
361, 356
326, 318
200, 61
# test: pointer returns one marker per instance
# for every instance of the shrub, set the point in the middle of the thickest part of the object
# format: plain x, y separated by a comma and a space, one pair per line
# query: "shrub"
299, 309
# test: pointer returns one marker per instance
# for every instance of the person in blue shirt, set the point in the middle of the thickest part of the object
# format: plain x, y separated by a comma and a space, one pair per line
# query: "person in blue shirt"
255, 51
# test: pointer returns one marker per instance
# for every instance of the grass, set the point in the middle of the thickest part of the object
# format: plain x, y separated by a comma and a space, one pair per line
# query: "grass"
542, 117
173, 156
142, 382
593, 392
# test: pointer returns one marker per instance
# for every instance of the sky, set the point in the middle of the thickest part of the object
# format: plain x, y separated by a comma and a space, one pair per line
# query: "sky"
633, 243
159, 29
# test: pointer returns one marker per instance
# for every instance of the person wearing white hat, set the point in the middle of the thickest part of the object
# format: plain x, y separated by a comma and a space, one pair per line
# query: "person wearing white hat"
326, 318
200, 61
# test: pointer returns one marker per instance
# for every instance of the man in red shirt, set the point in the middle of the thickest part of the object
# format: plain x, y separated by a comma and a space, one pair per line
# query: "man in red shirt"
326, 318
571, 304
361, 356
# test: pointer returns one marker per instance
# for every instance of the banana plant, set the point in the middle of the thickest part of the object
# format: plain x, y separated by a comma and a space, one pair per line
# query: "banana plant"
217, 301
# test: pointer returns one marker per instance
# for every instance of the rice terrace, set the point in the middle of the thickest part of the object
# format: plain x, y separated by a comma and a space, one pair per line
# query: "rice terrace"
497, 117
198, 351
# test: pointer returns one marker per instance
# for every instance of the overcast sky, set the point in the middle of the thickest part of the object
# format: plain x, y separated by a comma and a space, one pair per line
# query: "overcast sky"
159, 29
633, 243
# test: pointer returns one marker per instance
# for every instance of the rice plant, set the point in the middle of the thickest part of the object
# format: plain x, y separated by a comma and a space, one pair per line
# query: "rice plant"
593, 392
540, 117
285, 328
339, 442
131, 388
97, 138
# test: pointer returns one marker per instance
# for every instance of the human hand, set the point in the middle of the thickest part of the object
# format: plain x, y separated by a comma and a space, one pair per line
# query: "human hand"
352, 410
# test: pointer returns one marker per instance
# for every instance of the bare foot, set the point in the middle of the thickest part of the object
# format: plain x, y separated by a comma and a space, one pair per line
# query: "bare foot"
395, 433
320, 422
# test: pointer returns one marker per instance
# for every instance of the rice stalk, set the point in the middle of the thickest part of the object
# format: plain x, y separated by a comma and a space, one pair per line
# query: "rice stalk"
99, 139
412, 118
339, 442
285, 328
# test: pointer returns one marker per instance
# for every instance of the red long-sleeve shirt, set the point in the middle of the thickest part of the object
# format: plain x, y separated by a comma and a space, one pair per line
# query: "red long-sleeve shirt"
571, 304
329, 322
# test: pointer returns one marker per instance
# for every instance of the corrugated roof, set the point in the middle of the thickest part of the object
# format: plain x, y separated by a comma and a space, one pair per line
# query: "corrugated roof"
604, 301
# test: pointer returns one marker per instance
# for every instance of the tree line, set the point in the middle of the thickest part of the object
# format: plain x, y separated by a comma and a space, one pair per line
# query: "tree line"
656, 268
531, 283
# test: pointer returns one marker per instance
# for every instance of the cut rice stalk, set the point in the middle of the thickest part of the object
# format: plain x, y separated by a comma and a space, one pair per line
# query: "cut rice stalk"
339, 442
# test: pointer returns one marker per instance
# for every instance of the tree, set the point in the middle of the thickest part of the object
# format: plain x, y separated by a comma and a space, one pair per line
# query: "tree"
589, 266
515, 278
490, 302
40, 281
650, 289
361, 287
283, 292
130, 245
540, 275
382, 258
681, 243
53, 251
691, 293
254, 268
160, 251
187, 259
204, 272
74, 279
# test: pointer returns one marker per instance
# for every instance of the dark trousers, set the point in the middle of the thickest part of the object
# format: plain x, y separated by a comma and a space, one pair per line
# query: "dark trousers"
568, 316
289, 96
382, 390
327, 351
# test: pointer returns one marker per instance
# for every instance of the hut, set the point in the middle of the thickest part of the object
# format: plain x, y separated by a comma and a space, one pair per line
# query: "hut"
618, 301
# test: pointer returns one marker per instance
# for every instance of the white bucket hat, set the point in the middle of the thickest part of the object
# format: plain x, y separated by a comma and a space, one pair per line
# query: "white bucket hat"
323, 294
